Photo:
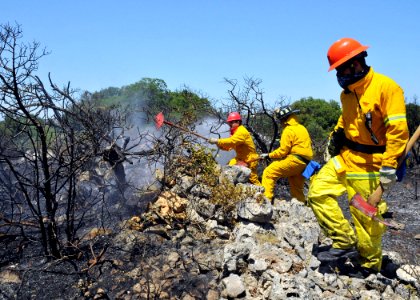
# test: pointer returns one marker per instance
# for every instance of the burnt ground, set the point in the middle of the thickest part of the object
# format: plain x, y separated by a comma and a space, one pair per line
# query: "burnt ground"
404, 207
404, 204
68, 279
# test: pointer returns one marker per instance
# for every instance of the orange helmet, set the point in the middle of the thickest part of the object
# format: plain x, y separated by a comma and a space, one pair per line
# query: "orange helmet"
234, 116
342, 50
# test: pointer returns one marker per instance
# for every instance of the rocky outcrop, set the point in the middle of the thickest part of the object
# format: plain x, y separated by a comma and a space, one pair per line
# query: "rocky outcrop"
269, 253
190, 245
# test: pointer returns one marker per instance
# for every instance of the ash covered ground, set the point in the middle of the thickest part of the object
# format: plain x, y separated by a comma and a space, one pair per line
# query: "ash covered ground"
42, 279
404, 204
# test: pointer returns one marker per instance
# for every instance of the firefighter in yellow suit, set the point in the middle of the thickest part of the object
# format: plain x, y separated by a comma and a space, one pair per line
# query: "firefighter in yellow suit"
372, 133
240, 141
291, 158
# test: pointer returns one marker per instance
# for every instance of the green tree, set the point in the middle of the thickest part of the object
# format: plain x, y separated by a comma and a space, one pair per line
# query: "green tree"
148, 92
151, 95
318, 116
413, 115
186, 100
413, 120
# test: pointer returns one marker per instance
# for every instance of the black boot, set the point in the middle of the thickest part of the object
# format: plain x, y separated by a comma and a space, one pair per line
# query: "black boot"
361, 272
334, 254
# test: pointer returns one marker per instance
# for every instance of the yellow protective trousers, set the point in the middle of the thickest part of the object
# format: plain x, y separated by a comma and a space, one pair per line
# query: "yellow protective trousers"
291, 168
253, 178
325, 188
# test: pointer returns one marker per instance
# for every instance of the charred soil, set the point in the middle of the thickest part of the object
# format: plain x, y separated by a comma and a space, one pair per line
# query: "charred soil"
27, 274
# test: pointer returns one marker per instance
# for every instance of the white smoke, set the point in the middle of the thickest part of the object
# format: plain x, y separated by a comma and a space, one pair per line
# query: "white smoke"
212, 128
139, 171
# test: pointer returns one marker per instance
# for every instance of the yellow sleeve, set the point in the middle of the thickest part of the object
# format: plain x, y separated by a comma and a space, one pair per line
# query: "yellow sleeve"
395, 121
231, 142
339, 124
285, 144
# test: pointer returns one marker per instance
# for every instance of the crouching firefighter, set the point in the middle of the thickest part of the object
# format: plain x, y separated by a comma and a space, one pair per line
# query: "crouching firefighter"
291, 158
241, 141
370, 135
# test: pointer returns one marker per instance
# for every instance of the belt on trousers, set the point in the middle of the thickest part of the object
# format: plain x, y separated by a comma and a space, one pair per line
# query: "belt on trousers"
306, 161
369, 149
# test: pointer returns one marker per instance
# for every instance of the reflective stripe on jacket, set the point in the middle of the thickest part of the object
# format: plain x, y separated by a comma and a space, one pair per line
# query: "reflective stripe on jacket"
241, 141
294, 139
384, 99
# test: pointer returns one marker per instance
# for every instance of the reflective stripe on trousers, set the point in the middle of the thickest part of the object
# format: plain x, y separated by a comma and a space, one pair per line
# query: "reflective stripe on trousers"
325, 188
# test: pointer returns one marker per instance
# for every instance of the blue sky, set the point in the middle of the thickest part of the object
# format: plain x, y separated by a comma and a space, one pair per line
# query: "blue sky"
96, 44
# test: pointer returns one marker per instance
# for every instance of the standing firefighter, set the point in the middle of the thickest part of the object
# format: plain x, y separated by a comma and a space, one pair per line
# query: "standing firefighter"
293, 155
240, 141
370, 135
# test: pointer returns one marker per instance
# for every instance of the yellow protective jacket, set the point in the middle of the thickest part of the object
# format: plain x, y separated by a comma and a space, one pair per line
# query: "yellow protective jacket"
241, 141
384, 99
295, 139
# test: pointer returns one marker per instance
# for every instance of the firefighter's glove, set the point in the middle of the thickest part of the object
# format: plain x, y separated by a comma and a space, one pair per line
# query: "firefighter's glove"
336, 142
387, 177
264, 155
213, 141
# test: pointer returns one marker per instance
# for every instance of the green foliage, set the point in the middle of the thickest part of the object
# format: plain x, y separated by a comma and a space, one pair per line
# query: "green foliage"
196, 161
144, 93
318, 116
9, 127
226, 195
201, 164
152, 94
186, 100
22, 131
413, 116
111, 92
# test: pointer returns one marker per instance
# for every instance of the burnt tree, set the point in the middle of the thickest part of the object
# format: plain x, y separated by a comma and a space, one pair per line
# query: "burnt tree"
257, 114
47, 138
